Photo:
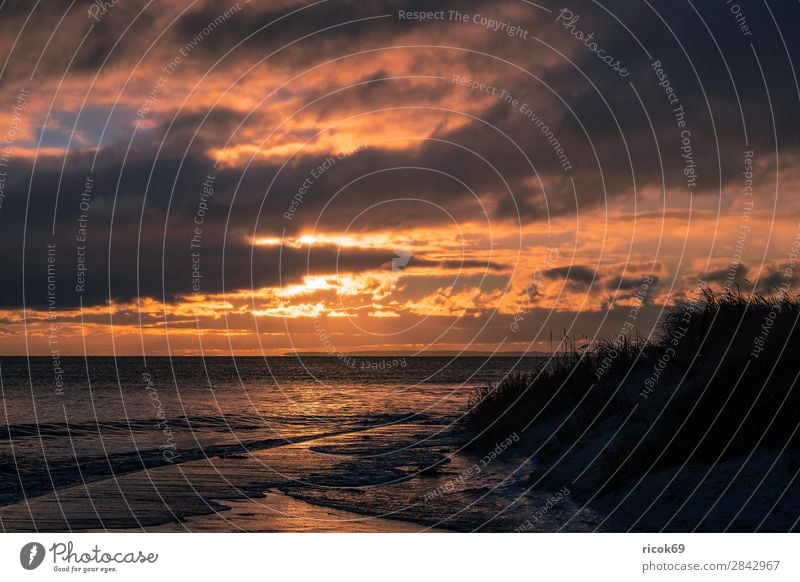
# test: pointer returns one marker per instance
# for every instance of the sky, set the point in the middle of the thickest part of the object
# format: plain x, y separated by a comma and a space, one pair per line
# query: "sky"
389, 177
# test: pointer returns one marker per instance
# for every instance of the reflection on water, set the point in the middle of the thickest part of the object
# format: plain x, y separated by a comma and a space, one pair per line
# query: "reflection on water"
176, 438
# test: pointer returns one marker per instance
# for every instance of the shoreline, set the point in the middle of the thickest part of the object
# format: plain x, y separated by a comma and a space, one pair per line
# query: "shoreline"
278, 512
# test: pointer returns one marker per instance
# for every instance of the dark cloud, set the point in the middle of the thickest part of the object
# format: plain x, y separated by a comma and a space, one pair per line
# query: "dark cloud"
775, 279
502, 166
726, 277
575, 273
623, 283
80, 44
140, 247
771, 282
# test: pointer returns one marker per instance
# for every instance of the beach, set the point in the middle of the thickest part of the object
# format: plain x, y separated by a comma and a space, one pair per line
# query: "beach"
213, 446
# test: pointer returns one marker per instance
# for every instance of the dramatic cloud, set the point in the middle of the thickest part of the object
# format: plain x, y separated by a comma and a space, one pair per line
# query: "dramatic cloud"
418, 172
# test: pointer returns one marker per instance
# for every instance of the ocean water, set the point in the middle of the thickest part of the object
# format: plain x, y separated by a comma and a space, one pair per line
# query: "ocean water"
259, 444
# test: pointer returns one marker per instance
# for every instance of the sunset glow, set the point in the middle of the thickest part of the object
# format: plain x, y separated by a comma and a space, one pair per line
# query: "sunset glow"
413, 186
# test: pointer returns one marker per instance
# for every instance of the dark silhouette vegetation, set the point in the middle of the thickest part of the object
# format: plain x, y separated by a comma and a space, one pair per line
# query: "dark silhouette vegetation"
684, 412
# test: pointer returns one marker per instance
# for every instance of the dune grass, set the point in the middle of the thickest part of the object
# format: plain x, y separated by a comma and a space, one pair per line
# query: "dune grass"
720, 380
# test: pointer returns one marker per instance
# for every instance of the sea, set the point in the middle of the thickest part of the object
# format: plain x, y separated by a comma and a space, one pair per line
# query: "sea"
293, 443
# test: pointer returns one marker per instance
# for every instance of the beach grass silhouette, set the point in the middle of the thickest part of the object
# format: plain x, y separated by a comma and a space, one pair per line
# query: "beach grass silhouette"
717, 387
